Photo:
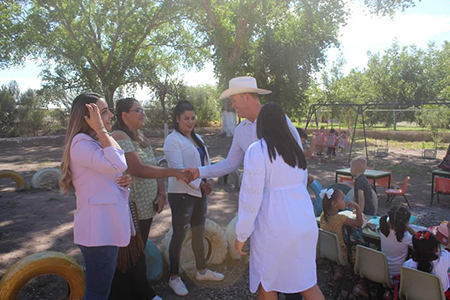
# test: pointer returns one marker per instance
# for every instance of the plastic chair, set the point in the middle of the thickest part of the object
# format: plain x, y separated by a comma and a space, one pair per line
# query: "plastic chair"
372, 265
392, 193
346, 179
330, 249
383, 182
442, 186
418, 285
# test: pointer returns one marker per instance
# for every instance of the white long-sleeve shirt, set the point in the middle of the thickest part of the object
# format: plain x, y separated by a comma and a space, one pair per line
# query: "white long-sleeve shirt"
244, 135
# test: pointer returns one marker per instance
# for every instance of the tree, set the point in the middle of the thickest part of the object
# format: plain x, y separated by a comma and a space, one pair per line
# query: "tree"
388, 7
279, 42
101, 45
204, 98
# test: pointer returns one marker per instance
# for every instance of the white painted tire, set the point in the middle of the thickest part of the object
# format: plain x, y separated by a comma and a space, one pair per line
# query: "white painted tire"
350, 196
230, 234
214, 236
41, 174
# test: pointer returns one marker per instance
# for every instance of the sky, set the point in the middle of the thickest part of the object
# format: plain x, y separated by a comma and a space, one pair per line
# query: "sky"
428, 21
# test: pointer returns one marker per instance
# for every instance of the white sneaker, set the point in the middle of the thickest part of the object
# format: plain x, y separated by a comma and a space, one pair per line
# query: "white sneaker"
209, 276
157, 298
177, 285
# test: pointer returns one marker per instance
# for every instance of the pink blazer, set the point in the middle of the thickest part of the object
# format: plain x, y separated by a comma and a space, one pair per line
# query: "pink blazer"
102, 217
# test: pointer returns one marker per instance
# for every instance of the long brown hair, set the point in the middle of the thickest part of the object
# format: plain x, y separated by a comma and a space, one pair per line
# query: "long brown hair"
77, 124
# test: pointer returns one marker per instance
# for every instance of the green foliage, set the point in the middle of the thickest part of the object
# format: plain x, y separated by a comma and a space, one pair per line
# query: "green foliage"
401, 77
388, 7
204, 98
100, 45
435, 119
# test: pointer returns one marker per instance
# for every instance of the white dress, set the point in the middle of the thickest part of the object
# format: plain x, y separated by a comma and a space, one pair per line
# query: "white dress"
276, 212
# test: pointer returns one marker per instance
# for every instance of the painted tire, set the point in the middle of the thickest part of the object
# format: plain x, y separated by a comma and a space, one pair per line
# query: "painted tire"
43, 263
18, 179
350, 196
41, 174
154, 261
316, 187
230, 234
345, 188
217, 246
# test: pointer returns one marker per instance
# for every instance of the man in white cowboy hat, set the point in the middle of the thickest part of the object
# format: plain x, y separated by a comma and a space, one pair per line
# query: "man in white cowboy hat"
244, 95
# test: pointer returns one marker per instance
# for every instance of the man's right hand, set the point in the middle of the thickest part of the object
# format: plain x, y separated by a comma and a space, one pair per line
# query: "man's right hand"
193, 171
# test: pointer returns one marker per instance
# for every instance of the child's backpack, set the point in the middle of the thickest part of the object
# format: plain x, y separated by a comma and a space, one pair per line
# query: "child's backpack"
352, 236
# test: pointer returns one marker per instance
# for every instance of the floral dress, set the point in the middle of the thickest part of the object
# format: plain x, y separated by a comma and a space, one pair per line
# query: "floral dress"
143, 190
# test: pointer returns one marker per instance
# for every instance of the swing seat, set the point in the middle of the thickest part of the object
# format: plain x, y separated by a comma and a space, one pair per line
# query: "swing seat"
381, 152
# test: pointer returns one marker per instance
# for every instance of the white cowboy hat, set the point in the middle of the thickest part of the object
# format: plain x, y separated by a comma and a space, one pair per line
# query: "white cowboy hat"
241, 85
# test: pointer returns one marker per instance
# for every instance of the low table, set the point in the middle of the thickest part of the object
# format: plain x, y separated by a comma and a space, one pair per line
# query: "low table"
370, 174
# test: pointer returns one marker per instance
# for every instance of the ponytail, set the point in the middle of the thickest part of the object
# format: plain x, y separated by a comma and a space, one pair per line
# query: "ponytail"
384, 226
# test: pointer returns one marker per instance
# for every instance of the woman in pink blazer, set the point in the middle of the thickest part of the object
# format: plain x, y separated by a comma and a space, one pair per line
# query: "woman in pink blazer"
93, 164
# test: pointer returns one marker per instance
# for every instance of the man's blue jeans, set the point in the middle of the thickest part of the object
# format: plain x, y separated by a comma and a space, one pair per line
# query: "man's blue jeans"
100, 263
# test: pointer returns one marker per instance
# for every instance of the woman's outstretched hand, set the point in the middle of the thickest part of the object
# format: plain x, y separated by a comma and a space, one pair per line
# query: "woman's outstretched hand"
94, 118
238, 247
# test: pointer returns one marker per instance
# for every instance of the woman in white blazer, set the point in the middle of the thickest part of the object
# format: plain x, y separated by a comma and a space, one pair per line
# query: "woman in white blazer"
184, 148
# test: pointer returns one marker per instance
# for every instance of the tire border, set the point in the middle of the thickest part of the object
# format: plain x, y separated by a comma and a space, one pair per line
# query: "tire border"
18, 179
213, 233
230, 234
43, 263
39, 175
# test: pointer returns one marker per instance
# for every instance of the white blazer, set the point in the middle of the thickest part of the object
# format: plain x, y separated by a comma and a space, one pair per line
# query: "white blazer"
181, 153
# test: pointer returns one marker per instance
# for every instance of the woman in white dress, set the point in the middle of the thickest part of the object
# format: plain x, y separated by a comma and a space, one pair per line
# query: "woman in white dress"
275, 210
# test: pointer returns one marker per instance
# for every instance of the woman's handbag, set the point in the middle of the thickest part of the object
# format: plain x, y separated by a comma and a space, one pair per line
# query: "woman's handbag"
129, 255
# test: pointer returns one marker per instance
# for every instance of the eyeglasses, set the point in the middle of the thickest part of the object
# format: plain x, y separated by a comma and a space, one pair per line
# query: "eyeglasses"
139, 110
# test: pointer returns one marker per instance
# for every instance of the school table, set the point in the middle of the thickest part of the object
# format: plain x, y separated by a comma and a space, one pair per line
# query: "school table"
370, 174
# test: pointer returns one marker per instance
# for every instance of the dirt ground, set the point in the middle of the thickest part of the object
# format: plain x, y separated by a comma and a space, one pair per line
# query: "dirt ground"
40, 220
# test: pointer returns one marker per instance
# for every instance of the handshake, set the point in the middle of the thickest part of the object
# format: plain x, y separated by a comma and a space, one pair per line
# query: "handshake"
190, 174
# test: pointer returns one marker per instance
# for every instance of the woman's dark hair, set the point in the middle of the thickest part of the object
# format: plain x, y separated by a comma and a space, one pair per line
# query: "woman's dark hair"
273, 127
327, 202
425, 250
302, 133
124, 105
398, 218
180, 108
79, 105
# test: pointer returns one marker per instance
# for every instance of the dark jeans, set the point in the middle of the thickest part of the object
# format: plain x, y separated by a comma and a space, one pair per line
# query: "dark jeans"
100, 263
187, 209
133, 283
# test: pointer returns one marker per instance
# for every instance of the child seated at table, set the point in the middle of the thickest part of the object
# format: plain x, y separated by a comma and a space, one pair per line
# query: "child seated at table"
333, 201
427, 257
396, 236
362, 190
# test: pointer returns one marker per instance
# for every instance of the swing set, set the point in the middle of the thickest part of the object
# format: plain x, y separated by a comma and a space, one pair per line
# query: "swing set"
380, 149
